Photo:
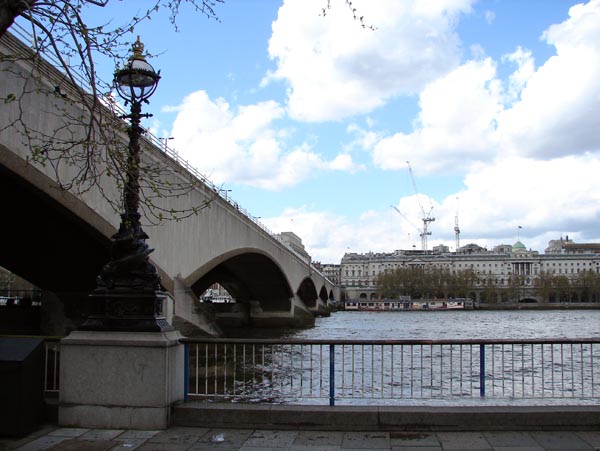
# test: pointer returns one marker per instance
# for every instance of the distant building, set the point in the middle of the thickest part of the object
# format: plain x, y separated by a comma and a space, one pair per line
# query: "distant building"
294, 242
499, 267
332, 272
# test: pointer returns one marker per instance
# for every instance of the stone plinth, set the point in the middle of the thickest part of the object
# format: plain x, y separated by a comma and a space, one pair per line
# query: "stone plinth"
120, 380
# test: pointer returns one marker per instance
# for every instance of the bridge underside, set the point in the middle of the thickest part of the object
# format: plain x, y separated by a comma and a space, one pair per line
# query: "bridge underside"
250, 277
45, 243
49, 246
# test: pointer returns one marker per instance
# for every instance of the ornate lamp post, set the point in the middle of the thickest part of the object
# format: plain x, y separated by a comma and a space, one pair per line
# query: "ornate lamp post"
128, 296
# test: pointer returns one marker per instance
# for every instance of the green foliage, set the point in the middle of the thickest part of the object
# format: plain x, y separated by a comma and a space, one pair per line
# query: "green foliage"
430, 282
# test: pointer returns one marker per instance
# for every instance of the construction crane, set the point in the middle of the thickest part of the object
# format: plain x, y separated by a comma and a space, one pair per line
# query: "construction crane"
456, 228
407, 220
426, 218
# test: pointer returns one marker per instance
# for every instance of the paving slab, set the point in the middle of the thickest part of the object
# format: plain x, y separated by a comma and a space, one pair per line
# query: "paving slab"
510, 438
414, 439
162, 447
463, 441
134, 434
222, 439
366, 440
519, 448
270, 439
417, 448
591, 437
179, 436
128, 444
87, 445
42, 443
319, 438
68, 432
102, 434
559, 440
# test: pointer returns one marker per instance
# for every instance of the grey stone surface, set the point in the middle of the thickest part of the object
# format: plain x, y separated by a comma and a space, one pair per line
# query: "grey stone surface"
104, 379
68, 432
179, 436
42, 443
319, 438
163, 447
102, 434
591, 437
416, 448
229, 439
146, 435
128, 444
78, 444
414, 439
222, 439
463, 441
506, 438
315, 448
557, 440
271, 439
366, 440
518, 448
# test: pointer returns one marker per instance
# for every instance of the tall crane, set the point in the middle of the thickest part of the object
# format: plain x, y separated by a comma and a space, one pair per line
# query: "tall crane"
456, 228
407, 220
426, 218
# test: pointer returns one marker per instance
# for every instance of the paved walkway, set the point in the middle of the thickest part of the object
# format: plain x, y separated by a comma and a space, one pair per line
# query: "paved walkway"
195, 439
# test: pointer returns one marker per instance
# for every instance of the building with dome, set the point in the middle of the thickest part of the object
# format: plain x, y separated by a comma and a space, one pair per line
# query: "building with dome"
497, 271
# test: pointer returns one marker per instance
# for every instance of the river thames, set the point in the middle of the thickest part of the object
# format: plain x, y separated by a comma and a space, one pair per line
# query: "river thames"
545, 371
471, 324
468, 324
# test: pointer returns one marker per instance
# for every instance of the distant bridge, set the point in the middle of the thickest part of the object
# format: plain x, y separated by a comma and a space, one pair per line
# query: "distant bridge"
59, 241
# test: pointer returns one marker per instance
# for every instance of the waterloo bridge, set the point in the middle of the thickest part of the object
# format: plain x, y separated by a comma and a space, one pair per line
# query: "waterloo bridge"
59, 241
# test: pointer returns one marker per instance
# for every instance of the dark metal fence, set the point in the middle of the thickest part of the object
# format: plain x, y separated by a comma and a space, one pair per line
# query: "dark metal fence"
390, 371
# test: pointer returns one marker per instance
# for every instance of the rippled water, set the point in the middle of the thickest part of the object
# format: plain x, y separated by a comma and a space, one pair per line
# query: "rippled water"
442, 374
455, 325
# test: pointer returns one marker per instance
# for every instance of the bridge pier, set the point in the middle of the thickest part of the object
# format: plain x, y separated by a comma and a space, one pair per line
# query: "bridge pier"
297, 316
191, 317
321, 309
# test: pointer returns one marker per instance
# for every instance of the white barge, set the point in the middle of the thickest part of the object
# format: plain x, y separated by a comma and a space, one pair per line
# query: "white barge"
393, 305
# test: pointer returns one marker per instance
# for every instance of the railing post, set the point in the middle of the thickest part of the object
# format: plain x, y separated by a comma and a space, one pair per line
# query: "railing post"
331, 374
186, 371
482, 371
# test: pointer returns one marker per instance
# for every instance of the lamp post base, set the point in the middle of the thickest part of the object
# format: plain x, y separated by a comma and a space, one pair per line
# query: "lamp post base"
126, 311
120, 380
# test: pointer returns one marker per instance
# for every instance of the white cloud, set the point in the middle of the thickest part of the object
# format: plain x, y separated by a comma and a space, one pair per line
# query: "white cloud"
327, 236
547, 198
456, 124
335, 69
243, 144
558, 106
470, 116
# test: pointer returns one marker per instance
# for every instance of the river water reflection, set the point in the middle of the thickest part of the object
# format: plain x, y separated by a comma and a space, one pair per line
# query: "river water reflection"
448, 373
475, 324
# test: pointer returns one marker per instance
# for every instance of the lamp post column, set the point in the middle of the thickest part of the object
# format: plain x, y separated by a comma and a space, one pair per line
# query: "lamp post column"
128, 296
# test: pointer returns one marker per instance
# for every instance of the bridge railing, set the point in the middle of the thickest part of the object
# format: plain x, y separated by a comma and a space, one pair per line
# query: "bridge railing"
392, 371
161, 145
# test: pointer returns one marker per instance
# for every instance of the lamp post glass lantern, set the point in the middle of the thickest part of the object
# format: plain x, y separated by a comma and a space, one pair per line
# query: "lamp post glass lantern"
128, 296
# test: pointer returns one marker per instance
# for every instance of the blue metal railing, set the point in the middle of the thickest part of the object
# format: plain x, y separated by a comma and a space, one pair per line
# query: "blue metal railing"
390, 371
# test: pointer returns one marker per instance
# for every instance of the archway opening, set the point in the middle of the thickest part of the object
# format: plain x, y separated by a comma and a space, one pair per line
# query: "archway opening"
249, 277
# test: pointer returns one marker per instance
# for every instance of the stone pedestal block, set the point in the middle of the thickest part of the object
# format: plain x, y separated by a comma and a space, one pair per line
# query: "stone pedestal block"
120, 380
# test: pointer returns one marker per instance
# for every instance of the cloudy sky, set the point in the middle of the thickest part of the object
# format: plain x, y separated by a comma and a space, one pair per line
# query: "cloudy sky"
310, 119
